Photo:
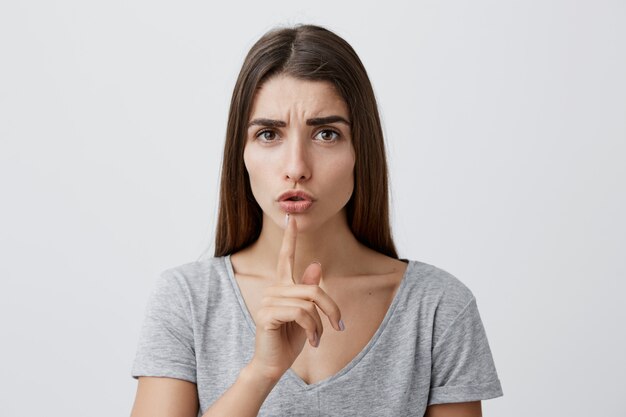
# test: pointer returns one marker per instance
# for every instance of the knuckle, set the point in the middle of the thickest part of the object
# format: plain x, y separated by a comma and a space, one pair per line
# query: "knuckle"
310, 307
302, 315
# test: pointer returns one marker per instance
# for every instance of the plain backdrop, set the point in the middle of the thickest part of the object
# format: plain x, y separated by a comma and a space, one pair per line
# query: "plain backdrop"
505, 124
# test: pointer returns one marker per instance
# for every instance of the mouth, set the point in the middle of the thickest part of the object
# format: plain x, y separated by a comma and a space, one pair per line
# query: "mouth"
295, 201
295, 195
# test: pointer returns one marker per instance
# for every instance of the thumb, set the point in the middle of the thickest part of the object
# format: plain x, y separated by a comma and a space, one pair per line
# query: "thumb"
312, 274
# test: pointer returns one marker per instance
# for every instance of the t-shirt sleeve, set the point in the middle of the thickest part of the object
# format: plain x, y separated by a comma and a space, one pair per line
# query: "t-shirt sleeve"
166, 340
462, 364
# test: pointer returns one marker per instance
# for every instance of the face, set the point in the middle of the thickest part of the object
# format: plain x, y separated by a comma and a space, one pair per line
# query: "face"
299, 138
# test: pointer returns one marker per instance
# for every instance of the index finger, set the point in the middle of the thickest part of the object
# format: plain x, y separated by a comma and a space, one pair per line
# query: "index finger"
287, 252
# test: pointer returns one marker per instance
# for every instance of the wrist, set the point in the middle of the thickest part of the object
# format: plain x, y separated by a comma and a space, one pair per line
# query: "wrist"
252, 375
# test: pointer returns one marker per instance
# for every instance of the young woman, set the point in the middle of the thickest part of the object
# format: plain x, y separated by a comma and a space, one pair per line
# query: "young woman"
305, 308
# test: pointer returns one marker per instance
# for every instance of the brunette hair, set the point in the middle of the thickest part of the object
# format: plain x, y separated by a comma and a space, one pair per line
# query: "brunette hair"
314, 53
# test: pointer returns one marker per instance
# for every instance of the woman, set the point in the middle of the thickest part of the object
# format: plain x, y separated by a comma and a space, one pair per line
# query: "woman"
305, 309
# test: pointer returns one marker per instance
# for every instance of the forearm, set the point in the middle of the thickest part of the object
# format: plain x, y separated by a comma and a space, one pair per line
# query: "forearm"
245, 397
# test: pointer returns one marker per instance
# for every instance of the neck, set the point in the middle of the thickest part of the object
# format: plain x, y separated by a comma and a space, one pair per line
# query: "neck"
332, 244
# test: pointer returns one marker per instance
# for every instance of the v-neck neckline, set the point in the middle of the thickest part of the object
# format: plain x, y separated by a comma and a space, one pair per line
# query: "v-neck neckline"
290, 372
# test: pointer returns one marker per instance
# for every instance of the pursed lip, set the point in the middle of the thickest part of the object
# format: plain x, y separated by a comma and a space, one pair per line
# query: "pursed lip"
295, 193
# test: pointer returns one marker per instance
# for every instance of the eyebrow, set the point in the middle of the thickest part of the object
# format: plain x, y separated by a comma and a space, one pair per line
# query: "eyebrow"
316, 121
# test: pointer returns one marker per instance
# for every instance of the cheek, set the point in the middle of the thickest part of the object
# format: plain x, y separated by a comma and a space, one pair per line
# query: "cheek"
341, 173
257, 168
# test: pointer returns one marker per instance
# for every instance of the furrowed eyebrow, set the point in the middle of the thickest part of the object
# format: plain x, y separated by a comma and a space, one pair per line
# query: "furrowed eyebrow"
267, 123
326, 120
310, 122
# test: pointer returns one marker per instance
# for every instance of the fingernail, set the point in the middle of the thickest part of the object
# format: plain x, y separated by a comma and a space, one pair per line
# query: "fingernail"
286, 219
315, 262
316, 342
342, 326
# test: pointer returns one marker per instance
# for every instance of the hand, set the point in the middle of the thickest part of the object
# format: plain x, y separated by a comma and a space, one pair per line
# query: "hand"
289, 316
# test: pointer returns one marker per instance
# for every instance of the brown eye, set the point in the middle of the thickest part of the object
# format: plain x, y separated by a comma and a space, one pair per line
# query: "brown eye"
266, 135
328, 135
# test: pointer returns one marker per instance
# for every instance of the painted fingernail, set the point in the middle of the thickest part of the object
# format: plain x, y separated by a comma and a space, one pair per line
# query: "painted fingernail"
342, 326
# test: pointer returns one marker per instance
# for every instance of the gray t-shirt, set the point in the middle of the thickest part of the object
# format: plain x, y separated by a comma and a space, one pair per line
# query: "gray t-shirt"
430, 348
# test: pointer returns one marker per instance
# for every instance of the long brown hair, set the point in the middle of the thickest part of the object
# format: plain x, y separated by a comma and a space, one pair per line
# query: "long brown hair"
314, 53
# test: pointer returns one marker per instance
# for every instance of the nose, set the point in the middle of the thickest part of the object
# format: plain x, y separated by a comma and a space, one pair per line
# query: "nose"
297, 163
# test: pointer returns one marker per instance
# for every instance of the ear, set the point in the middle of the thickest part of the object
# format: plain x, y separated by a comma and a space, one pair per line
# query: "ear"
312, 274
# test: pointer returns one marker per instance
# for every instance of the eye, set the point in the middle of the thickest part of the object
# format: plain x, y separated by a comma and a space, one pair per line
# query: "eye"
266, 135
328, 135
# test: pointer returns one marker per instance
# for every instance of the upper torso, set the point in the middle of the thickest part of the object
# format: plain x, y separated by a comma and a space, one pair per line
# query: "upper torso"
199, 328
363, 300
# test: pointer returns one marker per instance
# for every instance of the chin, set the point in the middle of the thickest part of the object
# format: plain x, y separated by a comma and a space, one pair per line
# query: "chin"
304, 221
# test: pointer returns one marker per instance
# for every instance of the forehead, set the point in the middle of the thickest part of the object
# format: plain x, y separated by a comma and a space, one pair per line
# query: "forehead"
282, 95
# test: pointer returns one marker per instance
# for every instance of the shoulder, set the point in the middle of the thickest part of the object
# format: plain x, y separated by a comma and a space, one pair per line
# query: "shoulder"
437, 293
193, 277
438, 282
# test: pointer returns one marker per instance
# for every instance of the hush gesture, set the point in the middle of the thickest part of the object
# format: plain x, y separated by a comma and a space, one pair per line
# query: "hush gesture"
289, 312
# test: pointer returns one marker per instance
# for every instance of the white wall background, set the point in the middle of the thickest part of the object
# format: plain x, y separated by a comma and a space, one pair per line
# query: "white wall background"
506, 130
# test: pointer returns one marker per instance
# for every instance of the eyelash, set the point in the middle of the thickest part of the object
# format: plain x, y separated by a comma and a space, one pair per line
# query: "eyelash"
337, 135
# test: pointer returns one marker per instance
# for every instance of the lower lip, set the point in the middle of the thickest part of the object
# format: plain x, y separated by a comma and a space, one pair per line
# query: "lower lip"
295, 206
